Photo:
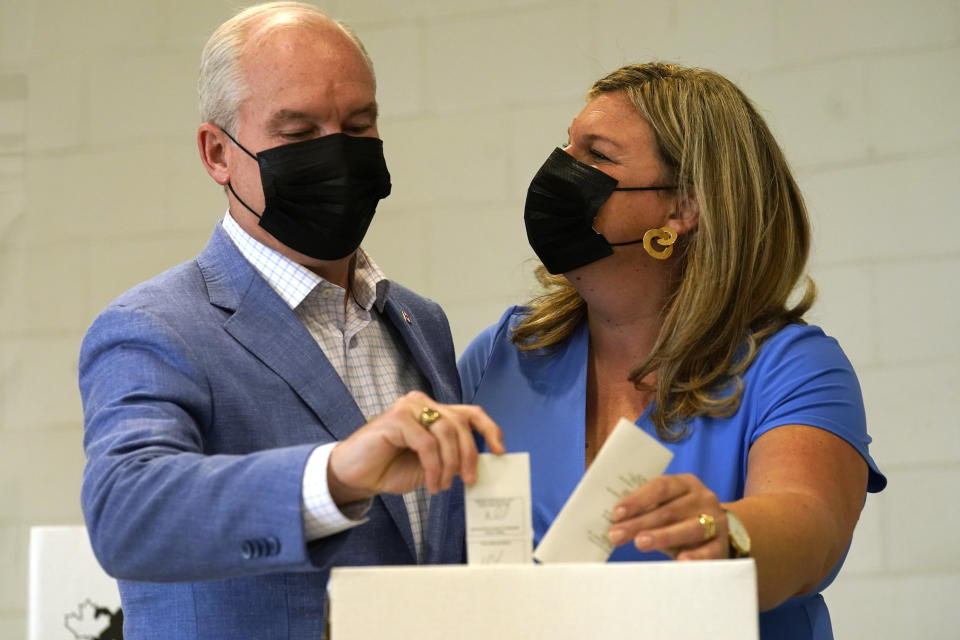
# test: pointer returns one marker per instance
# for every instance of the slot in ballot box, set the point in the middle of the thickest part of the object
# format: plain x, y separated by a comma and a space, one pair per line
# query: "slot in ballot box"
637, 600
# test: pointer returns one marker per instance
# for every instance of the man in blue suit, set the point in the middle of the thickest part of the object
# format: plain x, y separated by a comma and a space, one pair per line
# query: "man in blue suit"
276, 406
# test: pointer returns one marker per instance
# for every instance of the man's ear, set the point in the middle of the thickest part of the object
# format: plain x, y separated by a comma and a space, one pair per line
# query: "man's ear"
211, 142
687, 215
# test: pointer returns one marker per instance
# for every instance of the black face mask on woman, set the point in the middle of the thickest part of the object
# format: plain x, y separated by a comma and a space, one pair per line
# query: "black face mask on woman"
562, 204
320, 195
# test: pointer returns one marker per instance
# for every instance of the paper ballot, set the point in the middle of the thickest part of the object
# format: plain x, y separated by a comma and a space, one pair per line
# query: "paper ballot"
498, 510
629, 458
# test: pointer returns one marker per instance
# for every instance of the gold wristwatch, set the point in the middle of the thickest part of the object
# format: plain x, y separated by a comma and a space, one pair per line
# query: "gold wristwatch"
738, 536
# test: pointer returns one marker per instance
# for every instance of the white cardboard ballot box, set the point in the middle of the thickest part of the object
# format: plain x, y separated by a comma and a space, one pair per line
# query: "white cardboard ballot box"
70, 595
637, 600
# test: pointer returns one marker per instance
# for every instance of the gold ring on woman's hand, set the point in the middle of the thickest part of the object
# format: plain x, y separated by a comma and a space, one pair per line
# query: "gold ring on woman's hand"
427, 417
709, 526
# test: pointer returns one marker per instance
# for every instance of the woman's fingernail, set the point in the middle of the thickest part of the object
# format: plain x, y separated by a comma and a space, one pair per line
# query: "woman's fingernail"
618, 513
643, 541
616, 536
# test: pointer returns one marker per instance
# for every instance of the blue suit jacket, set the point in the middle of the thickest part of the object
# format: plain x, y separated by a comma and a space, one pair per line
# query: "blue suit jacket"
203, 397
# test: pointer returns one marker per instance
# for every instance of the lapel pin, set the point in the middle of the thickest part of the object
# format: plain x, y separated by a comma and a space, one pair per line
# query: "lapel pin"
406, 317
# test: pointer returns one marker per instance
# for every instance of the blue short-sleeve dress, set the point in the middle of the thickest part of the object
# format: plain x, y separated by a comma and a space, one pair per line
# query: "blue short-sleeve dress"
799, 376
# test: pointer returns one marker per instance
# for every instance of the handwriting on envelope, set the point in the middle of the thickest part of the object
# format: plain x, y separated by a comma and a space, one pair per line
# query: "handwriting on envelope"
627, 460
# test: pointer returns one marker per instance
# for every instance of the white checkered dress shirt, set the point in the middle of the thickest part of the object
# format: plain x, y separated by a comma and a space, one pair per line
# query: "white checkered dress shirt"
371, 359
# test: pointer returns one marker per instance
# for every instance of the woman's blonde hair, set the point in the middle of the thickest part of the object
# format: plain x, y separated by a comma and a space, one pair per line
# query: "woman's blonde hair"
739, 267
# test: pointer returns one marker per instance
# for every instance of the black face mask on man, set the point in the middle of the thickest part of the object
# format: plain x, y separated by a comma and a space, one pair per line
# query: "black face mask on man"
562, 204
320, 195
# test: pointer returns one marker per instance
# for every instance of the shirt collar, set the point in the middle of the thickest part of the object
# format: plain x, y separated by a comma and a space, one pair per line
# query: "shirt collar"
292, 281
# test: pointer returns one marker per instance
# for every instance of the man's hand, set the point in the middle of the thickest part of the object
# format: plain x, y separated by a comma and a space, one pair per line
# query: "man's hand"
394, 453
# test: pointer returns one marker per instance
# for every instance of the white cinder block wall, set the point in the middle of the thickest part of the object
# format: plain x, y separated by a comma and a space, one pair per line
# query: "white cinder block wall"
100, 187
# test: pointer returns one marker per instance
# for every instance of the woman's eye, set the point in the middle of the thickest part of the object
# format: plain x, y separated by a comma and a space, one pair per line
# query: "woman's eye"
596, 154
295, 135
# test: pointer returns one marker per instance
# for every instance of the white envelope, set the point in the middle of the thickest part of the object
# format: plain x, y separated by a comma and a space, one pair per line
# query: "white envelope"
498, 511
629, 458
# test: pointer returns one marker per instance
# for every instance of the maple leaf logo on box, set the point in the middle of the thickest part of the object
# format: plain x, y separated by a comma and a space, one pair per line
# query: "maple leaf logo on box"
93, 622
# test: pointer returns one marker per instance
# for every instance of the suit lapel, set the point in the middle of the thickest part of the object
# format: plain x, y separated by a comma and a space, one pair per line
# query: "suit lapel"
404, 320
395, 504
438, 521
279, 339
268, 329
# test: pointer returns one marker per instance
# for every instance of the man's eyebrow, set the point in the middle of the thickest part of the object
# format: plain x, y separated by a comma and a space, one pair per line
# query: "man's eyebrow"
370, 109
286, 115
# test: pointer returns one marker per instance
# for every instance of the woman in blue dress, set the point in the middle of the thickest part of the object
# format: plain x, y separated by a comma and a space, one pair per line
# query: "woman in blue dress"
674, 241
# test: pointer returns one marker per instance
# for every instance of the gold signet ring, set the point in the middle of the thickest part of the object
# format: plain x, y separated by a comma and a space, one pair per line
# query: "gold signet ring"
709, 526
427, 417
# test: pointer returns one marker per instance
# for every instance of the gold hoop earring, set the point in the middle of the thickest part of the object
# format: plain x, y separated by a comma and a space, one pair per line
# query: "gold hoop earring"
664, 236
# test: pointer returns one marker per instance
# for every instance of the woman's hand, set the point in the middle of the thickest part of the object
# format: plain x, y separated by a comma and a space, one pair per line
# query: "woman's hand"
665, 515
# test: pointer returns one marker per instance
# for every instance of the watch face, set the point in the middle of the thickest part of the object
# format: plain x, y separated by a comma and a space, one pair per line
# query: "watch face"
739, 537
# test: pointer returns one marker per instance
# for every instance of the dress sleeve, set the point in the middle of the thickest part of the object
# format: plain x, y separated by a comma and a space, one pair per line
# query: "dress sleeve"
803, 377
473, 362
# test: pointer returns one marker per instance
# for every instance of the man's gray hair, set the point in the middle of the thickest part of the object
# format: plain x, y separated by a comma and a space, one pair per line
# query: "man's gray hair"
221, 85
